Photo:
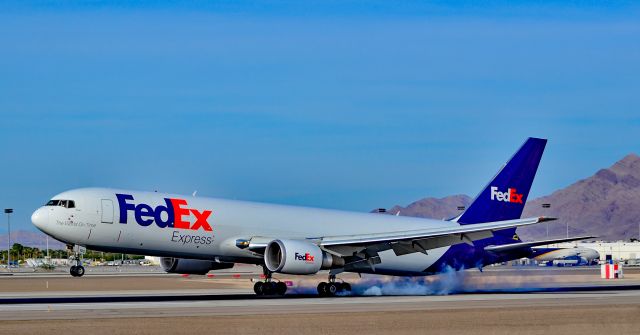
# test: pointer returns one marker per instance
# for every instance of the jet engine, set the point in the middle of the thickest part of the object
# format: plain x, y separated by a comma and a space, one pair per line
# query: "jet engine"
191, 266
298, 257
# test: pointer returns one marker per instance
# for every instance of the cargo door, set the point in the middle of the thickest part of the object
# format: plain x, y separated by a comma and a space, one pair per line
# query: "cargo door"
107, 211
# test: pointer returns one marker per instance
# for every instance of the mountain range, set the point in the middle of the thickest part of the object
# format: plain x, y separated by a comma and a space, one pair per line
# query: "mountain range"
34, 239
606, 205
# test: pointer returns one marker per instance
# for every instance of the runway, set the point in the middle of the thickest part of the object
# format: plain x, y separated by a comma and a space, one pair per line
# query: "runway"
568, 313
571, 305
247, 304
241, 294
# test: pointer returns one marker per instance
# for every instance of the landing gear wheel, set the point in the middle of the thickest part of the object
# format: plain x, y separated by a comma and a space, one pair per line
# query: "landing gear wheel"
322, 289
281, 288
333, 288
268, 288
77, 270
258, 288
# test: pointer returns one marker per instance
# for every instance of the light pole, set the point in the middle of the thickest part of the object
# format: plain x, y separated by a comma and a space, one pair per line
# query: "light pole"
8, 211
48, 257
547, 206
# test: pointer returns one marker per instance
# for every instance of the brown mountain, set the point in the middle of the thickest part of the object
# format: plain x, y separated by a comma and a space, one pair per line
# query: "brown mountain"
437, 208
606, 205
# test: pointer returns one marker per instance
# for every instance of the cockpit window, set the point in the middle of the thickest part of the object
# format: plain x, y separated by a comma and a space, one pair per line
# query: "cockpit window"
62, 203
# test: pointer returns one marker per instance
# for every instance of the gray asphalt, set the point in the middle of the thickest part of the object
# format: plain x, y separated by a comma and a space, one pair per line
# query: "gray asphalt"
556, 287
251, 306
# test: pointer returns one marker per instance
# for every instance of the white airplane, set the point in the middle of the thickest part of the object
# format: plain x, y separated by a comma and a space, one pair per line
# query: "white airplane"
566, 256
196, 235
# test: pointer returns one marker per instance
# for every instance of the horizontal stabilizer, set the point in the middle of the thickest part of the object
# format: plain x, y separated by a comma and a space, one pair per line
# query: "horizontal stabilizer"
520, 245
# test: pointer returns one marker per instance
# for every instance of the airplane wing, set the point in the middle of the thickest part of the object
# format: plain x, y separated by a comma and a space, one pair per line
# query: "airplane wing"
402, 242
363, 249
427, 233
405, 242
520, 245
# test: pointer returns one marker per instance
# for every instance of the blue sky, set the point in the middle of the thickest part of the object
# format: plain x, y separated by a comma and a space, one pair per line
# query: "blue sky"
338, 104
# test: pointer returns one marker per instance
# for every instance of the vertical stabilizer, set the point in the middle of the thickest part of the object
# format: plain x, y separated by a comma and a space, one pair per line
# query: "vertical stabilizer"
505, 196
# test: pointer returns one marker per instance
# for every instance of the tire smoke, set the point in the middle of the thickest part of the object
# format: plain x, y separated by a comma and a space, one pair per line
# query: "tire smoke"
448, 282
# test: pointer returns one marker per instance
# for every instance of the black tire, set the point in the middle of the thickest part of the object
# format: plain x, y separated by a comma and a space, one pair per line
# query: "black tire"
268, 288
322, 289
258, 288
346, 287
281, 288
79, 271
73, 271
332, 289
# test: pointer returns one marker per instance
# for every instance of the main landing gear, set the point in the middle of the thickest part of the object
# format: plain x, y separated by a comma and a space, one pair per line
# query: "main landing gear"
77, 270
332, 288
268, 286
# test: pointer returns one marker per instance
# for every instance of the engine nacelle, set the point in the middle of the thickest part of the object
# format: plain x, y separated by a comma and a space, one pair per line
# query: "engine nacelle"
298, 257
191, 266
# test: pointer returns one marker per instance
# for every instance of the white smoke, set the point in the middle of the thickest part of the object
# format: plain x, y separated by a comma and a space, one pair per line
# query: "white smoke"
449, 281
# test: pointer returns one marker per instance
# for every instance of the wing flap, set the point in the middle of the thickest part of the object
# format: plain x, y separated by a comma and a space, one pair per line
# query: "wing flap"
425, 244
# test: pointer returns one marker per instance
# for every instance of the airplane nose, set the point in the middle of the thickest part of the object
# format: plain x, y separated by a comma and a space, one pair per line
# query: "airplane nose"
40, 218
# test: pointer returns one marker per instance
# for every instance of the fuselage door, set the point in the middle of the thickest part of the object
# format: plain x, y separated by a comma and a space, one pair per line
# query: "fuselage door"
107, 211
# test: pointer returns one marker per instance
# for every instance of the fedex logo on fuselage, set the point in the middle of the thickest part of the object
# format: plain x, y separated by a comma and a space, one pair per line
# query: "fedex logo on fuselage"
307, 257
175, 209
509, 196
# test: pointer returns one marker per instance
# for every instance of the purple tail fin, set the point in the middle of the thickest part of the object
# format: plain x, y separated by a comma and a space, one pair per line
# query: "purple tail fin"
505, 196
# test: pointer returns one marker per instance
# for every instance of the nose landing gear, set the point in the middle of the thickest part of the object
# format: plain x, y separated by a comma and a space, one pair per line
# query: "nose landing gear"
77, 270
268, 286
332, 288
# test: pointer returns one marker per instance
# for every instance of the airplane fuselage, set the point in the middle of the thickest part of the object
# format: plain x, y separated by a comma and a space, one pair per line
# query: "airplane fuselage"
168, 225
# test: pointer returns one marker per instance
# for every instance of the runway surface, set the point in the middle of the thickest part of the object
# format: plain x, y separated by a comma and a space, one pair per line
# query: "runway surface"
536, 313
570, 301
213, 305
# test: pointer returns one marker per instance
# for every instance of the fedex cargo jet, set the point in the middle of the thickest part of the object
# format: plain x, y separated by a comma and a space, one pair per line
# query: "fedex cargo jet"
194, 235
